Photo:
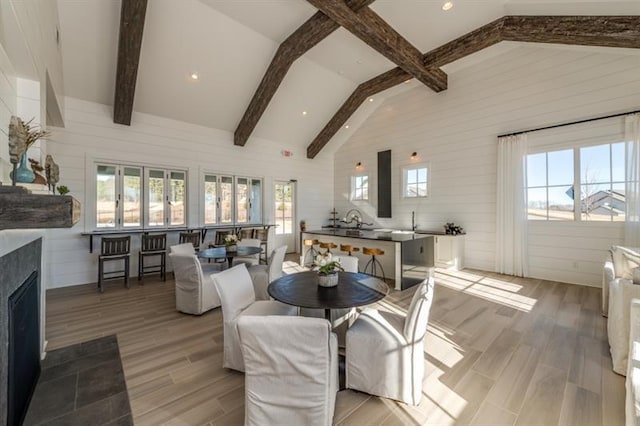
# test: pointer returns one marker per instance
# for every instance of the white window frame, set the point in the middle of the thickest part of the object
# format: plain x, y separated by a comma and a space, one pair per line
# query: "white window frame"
354, 180
577, 180
234, 199
414, 167
144, 174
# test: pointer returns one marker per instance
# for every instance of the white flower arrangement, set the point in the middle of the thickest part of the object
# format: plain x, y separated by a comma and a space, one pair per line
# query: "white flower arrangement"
325, 264
230, 239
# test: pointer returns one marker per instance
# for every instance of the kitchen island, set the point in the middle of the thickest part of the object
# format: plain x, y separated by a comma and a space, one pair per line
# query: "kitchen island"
408, 259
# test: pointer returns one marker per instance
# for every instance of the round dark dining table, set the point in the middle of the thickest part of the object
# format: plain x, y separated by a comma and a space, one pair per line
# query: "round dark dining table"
223, 253
353, 289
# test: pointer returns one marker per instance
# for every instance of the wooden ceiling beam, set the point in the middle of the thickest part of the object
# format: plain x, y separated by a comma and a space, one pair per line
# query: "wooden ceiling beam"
377, 33
132, 15
312, 32
605, 31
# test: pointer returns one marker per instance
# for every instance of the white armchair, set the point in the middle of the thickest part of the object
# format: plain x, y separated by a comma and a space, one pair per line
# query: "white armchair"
385, 351
195, 291
262, 275
619, 291
238, 299
632, 410
291, 370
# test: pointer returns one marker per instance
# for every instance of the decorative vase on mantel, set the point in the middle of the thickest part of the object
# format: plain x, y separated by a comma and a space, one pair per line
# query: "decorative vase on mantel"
328, 280
23, 174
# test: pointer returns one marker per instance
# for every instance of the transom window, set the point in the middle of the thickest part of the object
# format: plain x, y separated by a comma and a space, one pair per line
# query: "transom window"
415, 181
360, 188
596, 173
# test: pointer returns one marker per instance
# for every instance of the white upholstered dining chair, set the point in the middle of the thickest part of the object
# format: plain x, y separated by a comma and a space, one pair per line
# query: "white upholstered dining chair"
385, 351
252, 259
238, 299
291, 370
195, 290
262, 275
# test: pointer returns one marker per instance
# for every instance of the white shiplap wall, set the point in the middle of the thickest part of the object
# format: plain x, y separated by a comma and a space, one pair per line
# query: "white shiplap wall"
8, 107
455, 132
90, 135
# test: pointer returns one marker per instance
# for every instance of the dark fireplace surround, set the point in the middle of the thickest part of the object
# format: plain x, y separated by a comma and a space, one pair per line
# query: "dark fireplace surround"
16, 268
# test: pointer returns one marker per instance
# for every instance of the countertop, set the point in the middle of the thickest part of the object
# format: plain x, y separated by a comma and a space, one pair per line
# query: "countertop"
398, 236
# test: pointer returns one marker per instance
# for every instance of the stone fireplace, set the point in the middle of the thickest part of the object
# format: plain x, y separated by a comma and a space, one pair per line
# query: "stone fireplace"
20, 266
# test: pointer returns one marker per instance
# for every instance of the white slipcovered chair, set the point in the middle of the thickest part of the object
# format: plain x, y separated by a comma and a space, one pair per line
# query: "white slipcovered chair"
385, 351
632, 410
248, 260
338, 316
291, 370
238, 298
617, 291
195, 291
184, 248
262, 275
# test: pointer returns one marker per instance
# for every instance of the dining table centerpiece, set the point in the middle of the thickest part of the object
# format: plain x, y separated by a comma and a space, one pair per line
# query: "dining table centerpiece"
230, 242
327, 268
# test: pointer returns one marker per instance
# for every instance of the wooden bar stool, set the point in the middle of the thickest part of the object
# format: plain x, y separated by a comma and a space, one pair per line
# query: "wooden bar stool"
327, 246
153, 245
373, 263
348, 248
310, 251
114, 249
246, 233
190, 237
263, 236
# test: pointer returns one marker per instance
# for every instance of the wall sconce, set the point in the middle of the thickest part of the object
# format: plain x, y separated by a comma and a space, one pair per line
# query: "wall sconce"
358, 165
414, 155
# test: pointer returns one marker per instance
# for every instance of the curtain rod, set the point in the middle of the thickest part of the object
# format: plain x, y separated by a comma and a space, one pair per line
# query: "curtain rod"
553, 126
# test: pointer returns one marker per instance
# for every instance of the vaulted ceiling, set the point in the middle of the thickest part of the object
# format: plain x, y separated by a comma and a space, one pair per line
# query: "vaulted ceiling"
230, 44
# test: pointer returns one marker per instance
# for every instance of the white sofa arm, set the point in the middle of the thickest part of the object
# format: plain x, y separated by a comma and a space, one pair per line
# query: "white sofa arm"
632, 410
608, 275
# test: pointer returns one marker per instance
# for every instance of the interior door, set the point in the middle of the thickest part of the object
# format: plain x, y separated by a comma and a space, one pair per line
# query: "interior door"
285, 215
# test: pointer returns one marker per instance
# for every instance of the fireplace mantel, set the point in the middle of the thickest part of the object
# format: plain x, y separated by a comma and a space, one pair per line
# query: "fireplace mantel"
20, 209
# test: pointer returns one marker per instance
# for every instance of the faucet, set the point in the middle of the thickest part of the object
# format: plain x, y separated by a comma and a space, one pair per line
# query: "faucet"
413, 221
355, 215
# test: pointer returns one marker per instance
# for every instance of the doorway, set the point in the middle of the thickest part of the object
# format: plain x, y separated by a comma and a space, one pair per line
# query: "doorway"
285, 214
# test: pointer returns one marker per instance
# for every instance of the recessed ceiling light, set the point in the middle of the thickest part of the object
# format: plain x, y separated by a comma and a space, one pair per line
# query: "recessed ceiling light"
370, 99
304, 112
408, 81
194, 76
447, 6
346, 127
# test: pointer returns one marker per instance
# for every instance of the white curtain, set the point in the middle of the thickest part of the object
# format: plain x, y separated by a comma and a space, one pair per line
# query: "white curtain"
511, 230
632, 187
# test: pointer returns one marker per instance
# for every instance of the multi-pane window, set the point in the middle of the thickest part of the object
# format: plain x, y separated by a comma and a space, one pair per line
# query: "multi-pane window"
583, 183
360, 188
415, 181
221, 195
550, 185
136, 197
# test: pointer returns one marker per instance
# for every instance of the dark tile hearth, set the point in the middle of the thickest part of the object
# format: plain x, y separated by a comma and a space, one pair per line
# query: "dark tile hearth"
82, 384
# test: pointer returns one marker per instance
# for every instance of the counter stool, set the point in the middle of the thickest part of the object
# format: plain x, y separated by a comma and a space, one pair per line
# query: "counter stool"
327, 246
311, 251
190, 237
246, 233
373, 262
153, 245
347, 248
114, 249
263, 236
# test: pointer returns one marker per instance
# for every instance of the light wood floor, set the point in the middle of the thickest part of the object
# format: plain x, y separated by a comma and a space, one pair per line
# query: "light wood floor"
500, 350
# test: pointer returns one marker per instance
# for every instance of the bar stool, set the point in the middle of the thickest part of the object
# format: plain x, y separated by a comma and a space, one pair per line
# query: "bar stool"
263, 236
153, 245
220, 236
327, 246
375, 263
310, 251
348, 248
190, 237
114, 249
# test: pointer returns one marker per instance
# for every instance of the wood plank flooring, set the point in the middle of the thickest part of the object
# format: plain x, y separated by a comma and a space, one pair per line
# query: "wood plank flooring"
500, 350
